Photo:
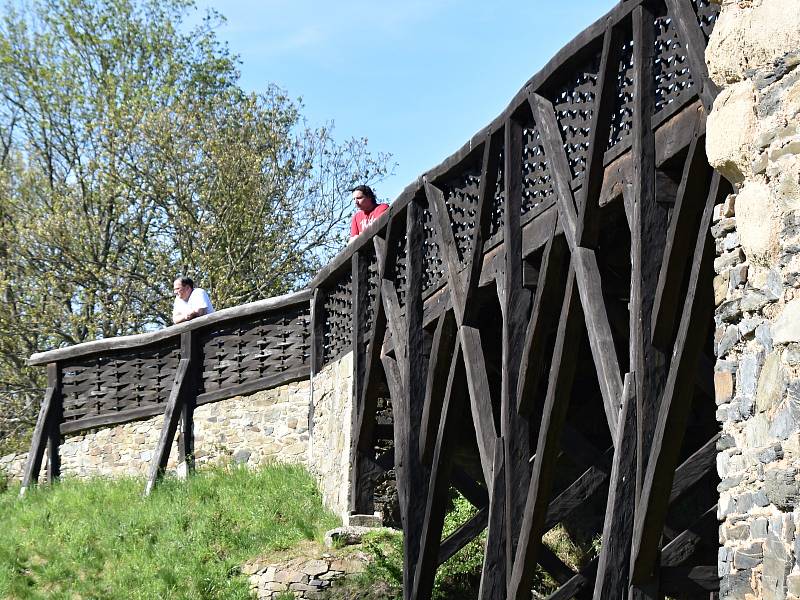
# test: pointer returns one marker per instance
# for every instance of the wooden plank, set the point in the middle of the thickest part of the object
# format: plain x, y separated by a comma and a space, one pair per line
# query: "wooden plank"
544, 115
583, 488
562, 372
462, 536
691, 581
439, 485
555, 567
480, 397
694, 468
646, 218
475, 493
685, 218
682, 548
588, 221
418, 474
493, 572
514, 428
171, 415
601, 342
486, 190
612, 566
317, 331
578, 583
442, 351
549, 291
694, 44
674, 409
190, 350
53, 422
33, 464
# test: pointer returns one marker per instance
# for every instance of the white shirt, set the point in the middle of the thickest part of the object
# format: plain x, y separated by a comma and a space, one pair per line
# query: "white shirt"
198, 299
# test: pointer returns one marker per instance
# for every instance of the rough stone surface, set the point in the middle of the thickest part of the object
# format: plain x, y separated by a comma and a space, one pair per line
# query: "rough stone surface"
329, 454
753, 139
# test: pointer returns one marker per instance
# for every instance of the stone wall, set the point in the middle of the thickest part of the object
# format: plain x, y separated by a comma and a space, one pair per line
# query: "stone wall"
331, 417
253, 430
753, 138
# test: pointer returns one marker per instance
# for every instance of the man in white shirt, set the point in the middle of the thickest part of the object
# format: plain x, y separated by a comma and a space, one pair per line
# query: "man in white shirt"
190, 302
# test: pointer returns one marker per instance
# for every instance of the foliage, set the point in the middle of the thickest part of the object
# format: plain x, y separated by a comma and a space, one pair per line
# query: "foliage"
102, 539
128, 154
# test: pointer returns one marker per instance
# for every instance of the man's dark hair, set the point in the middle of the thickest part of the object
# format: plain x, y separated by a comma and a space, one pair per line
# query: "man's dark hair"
366, 190
186, 281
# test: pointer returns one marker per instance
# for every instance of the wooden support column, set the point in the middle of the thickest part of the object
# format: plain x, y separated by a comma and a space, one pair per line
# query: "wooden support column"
182, 392
514, 428
191, 350
54, 423
559, 389
44, 431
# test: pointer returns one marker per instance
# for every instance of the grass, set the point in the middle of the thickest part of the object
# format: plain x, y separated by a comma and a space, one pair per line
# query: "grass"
101, 539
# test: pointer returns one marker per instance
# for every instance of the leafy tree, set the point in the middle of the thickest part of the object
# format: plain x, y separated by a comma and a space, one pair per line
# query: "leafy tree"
128, 154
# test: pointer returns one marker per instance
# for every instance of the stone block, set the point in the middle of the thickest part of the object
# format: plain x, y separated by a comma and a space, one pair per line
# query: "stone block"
748, 557
776, 568
731, 129
723, 387
721, 287
781, 487
786, 328
728, 260
312, 568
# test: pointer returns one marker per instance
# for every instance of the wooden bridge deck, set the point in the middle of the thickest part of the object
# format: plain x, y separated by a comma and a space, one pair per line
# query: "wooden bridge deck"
536, 311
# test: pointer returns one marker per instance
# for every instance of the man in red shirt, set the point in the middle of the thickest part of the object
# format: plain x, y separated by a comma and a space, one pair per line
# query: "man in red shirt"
368, 209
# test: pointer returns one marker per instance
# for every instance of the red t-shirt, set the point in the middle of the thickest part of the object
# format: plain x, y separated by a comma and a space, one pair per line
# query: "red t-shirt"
362, 220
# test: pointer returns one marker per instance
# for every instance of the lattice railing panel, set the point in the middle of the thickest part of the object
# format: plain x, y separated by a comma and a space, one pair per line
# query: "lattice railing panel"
498, 200
707, 14
400, 268
622, 117
265, 346
369, 295
671, 68
100, 385
338, 318
574, 105
434, 273
461, 197
537, 184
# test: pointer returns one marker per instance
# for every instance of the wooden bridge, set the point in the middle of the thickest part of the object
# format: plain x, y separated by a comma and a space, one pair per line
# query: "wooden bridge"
537, 311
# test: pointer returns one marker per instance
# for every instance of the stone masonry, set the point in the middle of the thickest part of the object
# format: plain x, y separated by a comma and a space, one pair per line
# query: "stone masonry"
329, 451
753, 138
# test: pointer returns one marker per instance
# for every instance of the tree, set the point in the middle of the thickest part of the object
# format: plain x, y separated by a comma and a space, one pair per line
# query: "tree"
128, 154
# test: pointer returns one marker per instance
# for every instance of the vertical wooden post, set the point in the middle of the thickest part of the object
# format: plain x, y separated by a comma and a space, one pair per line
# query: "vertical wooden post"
41, 433
418, 474
54, 423
514, 428
190, 350
317, 330
361, 492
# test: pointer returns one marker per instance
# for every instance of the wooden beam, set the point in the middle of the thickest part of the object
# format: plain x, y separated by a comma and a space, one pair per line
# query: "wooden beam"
588, 222
702, 462
694, 44
439, 485
171, 415
562, 373
674, 408
704, 531
549, 291
317, 331
612, 567
544, 115
601, 342
191, 350
677, 251
480, 398
493, 573
514, 428
647, 221
53, 422
442, 351
33, 464
583, 488
462, 536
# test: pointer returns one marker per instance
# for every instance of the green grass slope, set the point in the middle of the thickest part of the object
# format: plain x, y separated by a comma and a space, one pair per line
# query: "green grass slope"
101, 539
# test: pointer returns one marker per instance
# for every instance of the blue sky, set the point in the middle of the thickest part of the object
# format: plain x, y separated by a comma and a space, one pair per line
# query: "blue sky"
416, 78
